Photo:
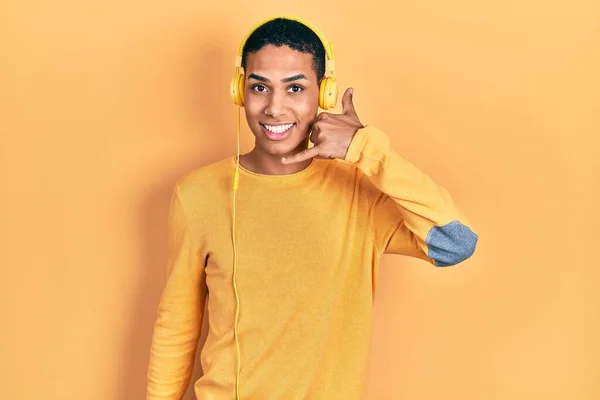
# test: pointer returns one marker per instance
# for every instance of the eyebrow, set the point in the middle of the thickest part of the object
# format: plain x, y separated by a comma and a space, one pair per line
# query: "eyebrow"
284, 80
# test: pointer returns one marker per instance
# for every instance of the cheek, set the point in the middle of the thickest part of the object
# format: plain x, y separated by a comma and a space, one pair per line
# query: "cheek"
252, 108
307, 109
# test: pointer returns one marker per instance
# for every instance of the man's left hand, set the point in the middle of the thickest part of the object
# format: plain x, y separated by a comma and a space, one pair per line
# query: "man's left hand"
331, 133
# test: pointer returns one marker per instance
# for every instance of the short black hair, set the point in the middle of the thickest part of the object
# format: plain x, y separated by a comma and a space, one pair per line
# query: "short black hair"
286, 32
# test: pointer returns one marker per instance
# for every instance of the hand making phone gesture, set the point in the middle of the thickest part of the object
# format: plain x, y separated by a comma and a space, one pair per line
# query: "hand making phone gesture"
331, 133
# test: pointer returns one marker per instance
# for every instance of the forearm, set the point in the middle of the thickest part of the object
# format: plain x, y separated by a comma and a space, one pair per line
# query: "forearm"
427, 208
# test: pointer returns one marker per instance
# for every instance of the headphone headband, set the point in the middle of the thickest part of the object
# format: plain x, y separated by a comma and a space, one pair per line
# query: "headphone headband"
329, 59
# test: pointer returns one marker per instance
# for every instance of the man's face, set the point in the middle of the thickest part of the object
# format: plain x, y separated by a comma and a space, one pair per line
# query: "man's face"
281, 98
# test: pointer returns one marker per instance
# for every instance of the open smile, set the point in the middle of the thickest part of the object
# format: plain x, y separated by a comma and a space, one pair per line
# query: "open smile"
277, 132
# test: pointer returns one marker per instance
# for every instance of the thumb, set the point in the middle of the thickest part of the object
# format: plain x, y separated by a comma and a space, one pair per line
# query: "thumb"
347, 104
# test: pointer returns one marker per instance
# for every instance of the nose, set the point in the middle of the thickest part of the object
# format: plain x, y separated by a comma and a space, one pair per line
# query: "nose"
276, 105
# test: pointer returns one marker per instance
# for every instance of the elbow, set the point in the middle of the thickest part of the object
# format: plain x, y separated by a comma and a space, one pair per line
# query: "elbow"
451, 244
464, 250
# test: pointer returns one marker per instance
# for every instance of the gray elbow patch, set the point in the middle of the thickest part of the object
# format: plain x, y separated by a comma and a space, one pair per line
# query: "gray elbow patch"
451, 244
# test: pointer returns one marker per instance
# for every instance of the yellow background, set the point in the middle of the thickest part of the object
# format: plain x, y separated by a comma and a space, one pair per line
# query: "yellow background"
104, 105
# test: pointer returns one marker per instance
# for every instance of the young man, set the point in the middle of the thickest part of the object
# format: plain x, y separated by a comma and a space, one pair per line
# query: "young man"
289, 305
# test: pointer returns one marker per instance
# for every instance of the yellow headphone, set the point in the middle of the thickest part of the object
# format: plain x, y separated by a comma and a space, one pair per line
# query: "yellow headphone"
328, 88
328, 94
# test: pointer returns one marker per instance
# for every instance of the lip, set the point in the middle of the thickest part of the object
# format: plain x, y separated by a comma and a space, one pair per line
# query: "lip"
277, 136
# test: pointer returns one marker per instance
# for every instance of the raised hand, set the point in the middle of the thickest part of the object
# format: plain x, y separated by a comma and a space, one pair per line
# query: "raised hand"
331, 133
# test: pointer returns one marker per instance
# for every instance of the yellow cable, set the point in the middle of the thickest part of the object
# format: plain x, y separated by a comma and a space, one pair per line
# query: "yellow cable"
235, 186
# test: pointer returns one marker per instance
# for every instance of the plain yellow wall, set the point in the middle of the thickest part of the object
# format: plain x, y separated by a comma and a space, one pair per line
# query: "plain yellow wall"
104, 105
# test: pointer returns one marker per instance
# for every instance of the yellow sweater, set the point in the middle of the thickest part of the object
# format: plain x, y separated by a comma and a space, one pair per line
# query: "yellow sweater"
308, 250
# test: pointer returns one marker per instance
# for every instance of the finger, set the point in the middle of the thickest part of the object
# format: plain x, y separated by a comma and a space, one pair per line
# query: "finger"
315, 133
323, 116
302, 156
347, 103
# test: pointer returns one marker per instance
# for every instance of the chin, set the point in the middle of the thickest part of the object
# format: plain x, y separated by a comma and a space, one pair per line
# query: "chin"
280, 149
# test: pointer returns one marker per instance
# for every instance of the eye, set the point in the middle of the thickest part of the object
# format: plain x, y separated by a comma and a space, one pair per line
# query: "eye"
296, 88
258, 88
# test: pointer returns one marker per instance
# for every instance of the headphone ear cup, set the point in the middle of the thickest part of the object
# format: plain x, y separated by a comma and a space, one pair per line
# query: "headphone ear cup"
328, 93
236, 89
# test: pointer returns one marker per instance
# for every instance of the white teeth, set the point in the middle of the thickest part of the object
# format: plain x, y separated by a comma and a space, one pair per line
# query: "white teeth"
278, 128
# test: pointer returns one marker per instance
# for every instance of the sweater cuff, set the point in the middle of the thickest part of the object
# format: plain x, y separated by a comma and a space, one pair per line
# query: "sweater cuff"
368, 142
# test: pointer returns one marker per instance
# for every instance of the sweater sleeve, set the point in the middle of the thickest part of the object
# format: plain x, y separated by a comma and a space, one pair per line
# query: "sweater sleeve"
412, 215
180, 312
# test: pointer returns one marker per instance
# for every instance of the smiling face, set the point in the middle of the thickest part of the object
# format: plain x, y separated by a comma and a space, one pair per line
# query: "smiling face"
281, 100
